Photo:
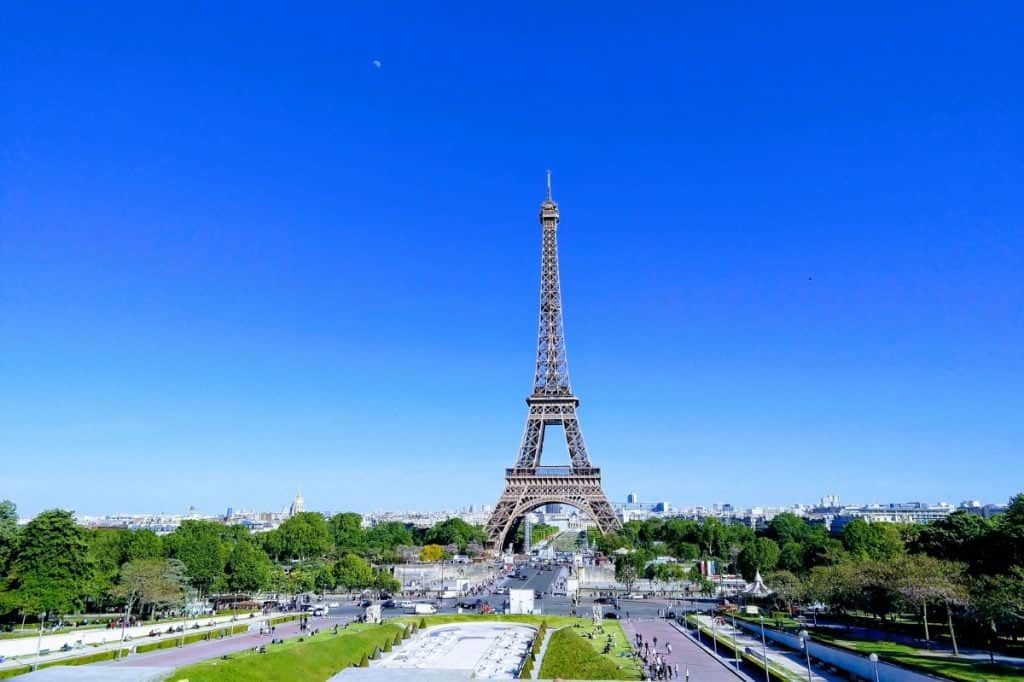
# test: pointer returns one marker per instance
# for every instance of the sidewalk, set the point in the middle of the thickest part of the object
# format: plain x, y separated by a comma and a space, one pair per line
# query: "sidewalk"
109, 640
702, 666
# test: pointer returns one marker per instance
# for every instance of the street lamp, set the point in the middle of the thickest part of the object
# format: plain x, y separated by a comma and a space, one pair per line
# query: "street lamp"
805, 639
714, 637
735, 649
39, 642
764, 651
874, 664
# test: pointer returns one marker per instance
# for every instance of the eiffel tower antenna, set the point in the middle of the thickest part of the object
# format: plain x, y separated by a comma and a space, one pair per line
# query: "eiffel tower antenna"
528, 484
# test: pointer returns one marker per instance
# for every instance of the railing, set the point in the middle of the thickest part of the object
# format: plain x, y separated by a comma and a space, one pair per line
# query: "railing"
553, 471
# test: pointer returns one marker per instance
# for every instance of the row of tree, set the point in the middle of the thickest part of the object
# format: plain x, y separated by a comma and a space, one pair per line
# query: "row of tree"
53, 565
965, 567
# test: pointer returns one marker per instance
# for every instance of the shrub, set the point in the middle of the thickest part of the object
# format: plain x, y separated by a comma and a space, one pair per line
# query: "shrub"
398, 638
387, 645
364, 662
423, 623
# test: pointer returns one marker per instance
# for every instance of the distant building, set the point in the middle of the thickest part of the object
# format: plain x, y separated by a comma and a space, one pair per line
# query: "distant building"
298, 505
632, 498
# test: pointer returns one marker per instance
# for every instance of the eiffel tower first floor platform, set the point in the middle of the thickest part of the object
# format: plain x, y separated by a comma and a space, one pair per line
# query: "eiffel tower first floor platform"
529, 488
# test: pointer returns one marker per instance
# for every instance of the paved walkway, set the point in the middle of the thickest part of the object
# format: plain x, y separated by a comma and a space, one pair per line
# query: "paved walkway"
686, 654
201, 651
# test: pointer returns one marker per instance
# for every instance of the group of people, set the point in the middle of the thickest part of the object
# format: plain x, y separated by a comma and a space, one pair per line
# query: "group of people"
655, 666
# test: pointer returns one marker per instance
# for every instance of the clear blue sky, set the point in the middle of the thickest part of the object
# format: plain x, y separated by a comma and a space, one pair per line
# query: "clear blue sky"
236, 258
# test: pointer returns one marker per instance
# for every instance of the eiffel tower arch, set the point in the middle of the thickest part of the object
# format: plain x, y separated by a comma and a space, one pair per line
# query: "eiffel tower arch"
529, 484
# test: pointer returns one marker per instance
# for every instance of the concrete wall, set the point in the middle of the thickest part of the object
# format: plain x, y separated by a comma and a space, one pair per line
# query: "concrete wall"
846, 660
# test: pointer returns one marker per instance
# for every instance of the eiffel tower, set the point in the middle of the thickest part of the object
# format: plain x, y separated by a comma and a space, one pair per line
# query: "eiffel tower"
529, 485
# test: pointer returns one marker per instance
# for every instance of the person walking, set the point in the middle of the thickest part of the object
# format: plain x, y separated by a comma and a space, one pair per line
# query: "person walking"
668, 648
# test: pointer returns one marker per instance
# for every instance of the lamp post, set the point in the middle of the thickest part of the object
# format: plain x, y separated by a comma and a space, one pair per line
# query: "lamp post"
714, 636
805, 639
39, 641
735, 649
764, 651
874, 664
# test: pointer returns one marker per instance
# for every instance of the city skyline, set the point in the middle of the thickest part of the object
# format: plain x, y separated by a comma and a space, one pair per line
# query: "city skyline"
284, 264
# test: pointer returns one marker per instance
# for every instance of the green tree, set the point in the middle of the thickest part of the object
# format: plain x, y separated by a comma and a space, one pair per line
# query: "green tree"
385, 582
788, 527
924, 580
354, 572
8, 533
198, 545
150, 582
791, 558
144, 544
454, 531
997, 603
248, 568
786, 586
761, 554
51, 570
347, 533
106, 555
876, 541
300, 580
629, 567
305, 536
325, 577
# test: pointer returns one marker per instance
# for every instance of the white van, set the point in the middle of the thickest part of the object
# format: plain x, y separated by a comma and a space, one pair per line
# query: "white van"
424, 609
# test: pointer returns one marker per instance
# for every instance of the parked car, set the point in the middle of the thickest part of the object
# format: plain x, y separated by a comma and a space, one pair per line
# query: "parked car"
407, 604
319, 610
389, 604
611, 615
365, 603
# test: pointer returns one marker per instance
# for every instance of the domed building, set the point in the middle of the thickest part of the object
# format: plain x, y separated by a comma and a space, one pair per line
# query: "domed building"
298, 504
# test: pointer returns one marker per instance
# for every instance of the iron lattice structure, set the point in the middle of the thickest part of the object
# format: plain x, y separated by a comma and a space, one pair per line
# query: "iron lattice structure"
528, 484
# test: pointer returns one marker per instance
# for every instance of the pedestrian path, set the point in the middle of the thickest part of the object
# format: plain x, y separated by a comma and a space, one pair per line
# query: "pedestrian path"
792, 662
201, 651
686, 655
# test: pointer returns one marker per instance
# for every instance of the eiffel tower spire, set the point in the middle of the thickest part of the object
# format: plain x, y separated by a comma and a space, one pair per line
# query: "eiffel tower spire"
552, 373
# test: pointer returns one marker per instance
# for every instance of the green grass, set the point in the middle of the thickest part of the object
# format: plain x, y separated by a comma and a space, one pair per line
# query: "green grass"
933, 662
570, 655
315, 659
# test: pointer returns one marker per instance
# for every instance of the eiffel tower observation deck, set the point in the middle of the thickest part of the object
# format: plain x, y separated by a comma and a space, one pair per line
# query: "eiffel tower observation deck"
529, 484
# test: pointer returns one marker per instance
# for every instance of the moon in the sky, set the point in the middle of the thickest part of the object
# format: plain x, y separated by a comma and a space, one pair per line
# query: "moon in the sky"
377, 63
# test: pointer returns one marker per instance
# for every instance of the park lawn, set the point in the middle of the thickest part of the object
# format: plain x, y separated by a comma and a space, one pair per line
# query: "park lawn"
932, 662
572, 655
304, 658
